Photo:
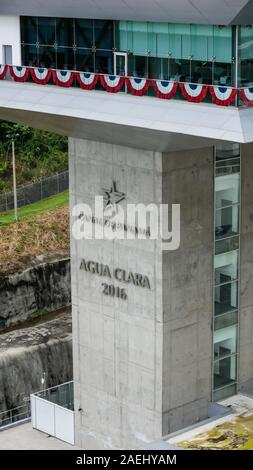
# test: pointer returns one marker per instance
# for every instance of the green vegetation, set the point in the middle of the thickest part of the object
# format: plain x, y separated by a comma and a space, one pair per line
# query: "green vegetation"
38, 154
233, 435
26, 212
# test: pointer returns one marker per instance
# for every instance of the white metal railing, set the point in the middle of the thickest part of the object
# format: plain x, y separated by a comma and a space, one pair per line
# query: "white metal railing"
15, 415
52, 412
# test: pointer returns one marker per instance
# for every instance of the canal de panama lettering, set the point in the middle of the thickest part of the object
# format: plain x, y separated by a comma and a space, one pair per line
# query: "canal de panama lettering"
120, 275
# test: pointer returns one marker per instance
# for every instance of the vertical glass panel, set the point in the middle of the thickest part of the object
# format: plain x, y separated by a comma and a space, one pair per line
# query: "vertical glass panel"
47, 57
85, 60
225, 392
246, 73
84, 33
152, 47
65, 32
104, 34
225, 245
201, 72
225, 372
29, 29
226, 222
30, 55
227, 190
121, 44
246, 42
65, 58
140, 38
46, 31
226, 298
223, 44
222, 73
225, 320
226, 267
227, 150
104, 62
175, 42
162, 39
156, 68
200, 37
138, 66
225, 342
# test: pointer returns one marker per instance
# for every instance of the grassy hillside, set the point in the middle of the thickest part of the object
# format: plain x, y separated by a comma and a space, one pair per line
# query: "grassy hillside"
43, 229
38, 154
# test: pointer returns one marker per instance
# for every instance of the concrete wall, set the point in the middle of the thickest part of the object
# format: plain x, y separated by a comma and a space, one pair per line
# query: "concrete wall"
142, 367
246, 294
187, 290
44, 287
10, 36
117, 344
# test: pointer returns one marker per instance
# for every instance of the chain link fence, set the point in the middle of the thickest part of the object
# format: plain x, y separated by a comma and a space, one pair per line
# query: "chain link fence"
34, 192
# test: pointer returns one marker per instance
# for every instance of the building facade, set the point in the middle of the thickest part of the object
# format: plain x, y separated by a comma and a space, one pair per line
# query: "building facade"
150, 356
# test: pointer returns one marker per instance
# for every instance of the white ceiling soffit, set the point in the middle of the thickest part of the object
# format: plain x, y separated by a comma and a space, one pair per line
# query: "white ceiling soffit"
123, 119
178, 11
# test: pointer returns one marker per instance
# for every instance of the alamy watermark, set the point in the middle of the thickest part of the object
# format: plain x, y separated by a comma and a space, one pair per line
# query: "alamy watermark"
108, 220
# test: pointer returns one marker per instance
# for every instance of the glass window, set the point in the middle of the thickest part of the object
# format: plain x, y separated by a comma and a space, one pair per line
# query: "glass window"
225, 320
29, 29
201, 72
30, 55
226, 267
225, 357
222, 44
224, 392
140, 38
47, 57
46, 31
65, 32
85, 60
138, 66
227, 150
84, 33
227, 193
158, 68
104, 34
228, 244
65, 58
104, 62
226, 298
222, 73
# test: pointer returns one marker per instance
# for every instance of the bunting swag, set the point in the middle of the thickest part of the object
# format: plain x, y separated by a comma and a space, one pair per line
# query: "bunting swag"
164, 89
3, 71
19, 74
246, 95
194, 93
41, 76
63, 77
137, 86
87, 81
112, 83
223, 96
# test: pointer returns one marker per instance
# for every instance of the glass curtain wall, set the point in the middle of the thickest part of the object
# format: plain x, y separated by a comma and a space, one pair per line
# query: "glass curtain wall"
226, 269
69, 44
245, 46
184, 52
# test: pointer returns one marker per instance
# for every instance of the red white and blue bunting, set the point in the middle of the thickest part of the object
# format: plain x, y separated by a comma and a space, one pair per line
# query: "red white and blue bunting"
223, 96
63, 77
165, 89
19, 74
112, 83
3, 71
40, 75
246, 95
86, 80
193, 92
137, 86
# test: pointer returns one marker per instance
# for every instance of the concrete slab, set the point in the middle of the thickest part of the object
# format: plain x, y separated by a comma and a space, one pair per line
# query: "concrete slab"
24, 437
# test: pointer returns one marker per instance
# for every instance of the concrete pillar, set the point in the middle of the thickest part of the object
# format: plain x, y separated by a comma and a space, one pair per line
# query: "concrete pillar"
142, 366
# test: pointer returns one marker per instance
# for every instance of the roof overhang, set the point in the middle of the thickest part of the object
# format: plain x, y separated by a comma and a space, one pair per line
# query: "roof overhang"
176, 11
142, 122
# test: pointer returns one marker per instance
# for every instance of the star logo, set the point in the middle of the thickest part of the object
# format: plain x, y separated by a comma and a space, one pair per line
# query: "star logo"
112, 196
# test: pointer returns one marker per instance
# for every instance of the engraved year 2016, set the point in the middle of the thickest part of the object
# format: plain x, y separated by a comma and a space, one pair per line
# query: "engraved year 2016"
112, 291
